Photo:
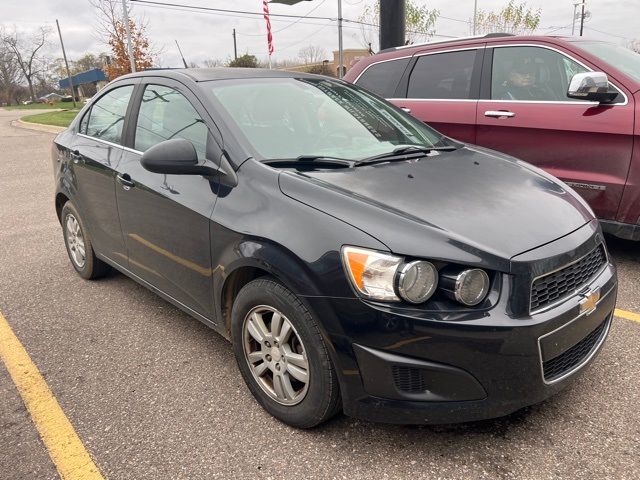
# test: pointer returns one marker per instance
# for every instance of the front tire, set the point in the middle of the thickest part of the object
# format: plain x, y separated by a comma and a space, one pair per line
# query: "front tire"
79, 246
282, 355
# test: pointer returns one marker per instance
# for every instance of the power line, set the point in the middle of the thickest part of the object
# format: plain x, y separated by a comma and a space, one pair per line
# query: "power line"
605, 33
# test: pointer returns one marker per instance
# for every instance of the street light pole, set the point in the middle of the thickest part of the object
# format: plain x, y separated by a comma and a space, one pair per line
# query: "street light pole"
340, 50
66, 64
125, 15
582, 18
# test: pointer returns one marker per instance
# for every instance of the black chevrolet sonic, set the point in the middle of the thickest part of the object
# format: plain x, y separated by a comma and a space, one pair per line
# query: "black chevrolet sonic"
356, 259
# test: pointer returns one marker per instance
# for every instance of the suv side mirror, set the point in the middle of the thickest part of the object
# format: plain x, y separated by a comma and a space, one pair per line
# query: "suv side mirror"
591, 86
176, 157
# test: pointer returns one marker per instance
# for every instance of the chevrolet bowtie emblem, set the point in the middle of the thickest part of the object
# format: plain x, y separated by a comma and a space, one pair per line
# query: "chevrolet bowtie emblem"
589, 302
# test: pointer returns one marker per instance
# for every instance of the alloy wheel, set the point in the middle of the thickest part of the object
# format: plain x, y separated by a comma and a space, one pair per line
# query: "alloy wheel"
75, 241
276, 355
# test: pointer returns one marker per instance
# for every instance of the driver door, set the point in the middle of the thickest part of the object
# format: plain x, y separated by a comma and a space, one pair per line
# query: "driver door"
583, 143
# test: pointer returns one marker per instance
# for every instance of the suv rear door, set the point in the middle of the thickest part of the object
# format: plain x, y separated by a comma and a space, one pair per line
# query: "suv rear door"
441, 88
583, 143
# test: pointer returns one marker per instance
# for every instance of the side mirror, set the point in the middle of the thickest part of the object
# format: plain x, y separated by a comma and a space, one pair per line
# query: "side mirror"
176, 157
591, 86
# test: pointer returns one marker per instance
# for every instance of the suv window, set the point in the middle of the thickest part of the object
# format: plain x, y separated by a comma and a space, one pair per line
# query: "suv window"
532, 73
164, 114
106, 117
442, 76
382, 78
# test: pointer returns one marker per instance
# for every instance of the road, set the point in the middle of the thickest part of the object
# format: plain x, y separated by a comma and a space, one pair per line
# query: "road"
154, 394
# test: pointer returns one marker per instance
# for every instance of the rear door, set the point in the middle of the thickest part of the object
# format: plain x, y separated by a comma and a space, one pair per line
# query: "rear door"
97, 151
165, 218
524, 111
442, 88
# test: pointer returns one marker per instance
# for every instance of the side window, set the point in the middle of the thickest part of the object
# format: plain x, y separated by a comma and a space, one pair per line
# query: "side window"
442, 76
106, 118
164, 114
382, 78
531, 73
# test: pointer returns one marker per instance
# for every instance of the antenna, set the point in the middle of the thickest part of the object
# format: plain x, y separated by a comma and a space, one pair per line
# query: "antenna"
184, 62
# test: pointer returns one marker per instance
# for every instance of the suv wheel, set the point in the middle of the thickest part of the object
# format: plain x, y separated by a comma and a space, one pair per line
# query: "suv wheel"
282, 355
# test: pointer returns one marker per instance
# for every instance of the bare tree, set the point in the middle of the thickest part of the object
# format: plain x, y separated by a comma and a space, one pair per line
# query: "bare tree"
213, 62
312, 54
516, 18
27, 54
9, 76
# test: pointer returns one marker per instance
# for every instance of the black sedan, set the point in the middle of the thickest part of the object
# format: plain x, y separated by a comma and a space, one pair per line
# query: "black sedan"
357, 259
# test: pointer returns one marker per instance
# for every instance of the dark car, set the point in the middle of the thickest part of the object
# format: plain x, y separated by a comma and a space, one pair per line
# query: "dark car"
568, 105
356, 258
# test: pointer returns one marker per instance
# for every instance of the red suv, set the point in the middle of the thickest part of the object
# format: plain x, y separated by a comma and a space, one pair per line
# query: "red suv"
568, 105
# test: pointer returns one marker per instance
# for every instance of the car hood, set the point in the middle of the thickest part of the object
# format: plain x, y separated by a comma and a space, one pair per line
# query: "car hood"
472, 204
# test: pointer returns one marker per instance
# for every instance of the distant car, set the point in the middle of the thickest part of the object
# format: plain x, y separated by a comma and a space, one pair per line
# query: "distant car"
355, 257
568, 105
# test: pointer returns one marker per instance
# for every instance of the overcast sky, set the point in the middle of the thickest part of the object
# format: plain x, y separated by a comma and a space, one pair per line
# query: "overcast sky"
204, 36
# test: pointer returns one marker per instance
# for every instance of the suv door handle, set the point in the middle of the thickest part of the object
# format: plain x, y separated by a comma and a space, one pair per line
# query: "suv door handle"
499, 114
125, 180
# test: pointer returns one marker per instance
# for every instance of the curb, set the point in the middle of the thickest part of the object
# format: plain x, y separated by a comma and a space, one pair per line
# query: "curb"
37, 126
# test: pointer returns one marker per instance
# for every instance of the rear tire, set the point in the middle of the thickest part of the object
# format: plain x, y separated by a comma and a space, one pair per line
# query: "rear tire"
282, 355
79, 245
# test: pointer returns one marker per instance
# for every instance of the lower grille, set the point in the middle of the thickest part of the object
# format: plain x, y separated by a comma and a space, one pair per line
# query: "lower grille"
564, 282
409, 380
574, 356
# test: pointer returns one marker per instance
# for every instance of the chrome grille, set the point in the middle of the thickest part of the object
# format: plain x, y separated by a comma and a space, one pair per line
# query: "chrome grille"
564, 282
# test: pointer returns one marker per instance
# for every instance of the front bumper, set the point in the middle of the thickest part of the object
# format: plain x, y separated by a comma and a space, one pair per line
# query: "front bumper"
446, 368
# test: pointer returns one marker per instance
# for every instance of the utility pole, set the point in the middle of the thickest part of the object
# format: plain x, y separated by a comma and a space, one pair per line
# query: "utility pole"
235, 46
125, 14
340, 50
573, 24
475, 15
582, 18
66, 64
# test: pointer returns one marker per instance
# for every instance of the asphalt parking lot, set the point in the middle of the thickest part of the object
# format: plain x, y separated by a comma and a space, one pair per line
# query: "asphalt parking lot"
154, 394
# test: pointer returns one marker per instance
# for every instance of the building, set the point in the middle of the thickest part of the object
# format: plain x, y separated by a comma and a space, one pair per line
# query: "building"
85, 84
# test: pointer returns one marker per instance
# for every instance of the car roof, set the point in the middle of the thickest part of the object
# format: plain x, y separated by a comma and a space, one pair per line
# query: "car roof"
218, 73
488, 39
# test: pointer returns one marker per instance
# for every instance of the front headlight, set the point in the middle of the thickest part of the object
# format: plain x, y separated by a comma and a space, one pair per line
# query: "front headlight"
382, 276
372, 273
468, 286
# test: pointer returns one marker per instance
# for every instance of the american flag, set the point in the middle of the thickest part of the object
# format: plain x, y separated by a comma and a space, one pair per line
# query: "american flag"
265, 9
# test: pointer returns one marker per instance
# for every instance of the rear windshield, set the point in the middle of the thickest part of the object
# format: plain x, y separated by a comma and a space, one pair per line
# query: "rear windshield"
622, 58
284, 118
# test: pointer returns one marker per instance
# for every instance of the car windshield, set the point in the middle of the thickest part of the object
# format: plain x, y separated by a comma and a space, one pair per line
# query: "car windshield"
622, 58
286, 118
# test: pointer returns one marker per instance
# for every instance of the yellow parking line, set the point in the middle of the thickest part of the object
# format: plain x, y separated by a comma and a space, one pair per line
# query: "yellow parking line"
627, 315
65, 447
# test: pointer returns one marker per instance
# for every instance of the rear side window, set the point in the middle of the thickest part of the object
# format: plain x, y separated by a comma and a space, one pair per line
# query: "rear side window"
442, 76
382, 78
106, 117
165, 114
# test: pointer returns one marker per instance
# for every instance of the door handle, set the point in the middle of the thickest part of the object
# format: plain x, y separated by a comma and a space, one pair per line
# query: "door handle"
125, 180
406, 109
499, 114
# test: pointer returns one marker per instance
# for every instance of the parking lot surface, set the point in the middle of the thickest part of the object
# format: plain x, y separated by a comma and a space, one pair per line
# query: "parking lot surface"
154, 394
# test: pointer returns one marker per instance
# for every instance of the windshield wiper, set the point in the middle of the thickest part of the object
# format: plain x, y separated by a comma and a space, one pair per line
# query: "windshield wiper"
405, 153
307, 161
